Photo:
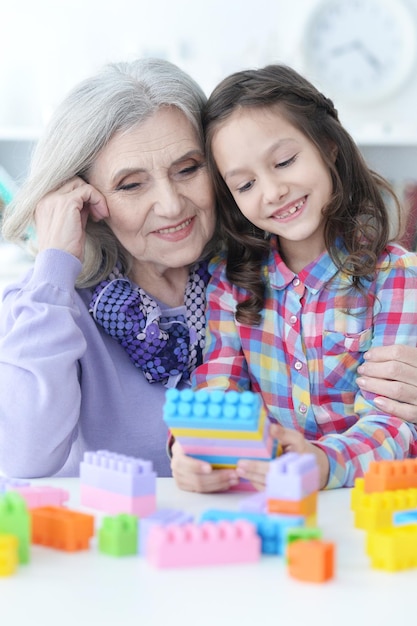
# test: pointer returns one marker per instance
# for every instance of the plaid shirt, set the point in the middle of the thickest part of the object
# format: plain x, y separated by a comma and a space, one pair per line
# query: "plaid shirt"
304, 354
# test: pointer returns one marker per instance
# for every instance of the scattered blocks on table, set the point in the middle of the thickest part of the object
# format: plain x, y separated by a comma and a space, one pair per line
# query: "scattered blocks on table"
15, 520
219, 427
208, 543
116, 483
8, 554
162, 517
311, 561
393, 549
118, 535
391, 475
60, 528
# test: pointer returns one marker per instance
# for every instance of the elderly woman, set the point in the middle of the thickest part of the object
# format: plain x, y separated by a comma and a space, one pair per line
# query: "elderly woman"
121, 211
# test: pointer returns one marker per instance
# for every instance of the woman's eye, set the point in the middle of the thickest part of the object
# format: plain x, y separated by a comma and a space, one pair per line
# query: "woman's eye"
287, 162
190, 169
128, 186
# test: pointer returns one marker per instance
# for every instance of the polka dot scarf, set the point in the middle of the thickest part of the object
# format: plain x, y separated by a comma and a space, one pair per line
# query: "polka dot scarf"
165, 349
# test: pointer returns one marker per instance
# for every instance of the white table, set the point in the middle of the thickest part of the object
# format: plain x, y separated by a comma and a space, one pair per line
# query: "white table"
89, 588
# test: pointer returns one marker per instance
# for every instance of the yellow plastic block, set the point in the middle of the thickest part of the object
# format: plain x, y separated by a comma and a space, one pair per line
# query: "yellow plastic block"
8, 554
393, 549
376, 510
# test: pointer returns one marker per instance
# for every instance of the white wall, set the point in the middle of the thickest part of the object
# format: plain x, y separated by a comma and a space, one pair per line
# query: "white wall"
46, 46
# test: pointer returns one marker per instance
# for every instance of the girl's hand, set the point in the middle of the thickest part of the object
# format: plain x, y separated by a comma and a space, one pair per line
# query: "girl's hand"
61, 216
291, 441
194, 475
391, 373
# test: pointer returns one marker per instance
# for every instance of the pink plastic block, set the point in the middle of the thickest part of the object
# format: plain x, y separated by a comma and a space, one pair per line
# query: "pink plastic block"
119, 473
292, 476
210, 543
42, 495
114, 503
163, 517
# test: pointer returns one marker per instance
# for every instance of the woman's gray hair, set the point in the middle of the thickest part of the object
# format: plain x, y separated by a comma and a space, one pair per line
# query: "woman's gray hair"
118, 98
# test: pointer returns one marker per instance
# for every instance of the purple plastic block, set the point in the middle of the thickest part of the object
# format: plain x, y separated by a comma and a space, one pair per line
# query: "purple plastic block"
6, 484
118, 473
292, 476
163, 517
255, 503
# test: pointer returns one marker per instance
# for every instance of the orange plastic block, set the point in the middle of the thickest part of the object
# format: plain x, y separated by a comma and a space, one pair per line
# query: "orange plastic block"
306, 506
312, 560
376, 510
8, 554
62, 528
393, 549
391, 475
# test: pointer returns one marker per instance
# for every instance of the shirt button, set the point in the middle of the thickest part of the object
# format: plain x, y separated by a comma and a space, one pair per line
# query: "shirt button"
293, 319
296, 282
302, 408
298, 365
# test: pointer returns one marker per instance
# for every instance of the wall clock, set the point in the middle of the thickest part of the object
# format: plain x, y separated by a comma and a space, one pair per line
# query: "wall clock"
360, 50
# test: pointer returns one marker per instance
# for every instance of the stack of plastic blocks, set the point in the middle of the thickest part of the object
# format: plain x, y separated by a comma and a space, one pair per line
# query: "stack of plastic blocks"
116, 483
15, 533
219, 427
384, 503
292, 486
208, 543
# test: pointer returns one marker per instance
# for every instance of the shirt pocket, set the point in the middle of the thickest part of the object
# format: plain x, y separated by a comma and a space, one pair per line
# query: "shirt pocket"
342, 354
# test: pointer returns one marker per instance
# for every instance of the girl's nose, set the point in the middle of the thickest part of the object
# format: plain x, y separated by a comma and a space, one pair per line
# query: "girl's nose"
274, 189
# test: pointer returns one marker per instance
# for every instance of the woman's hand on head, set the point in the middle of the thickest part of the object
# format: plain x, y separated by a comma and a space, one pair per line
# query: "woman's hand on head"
194, 475
391, 373
61, 216
290, 441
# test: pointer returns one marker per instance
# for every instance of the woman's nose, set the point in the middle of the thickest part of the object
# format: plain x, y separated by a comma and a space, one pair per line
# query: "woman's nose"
168, 201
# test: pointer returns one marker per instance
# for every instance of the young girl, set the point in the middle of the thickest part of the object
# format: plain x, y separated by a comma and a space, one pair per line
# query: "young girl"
310, 281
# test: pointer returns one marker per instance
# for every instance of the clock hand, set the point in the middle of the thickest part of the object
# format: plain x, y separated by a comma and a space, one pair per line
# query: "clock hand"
356, 45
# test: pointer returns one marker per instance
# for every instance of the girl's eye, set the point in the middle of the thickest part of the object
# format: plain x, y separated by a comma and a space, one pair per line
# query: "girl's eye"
245, 187
287, 162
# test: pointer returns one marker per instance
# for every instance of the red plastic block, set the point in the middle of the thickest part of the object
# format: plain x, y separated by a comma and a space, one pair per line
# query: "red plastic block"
62, 528
209, 543
311, 561
391, 475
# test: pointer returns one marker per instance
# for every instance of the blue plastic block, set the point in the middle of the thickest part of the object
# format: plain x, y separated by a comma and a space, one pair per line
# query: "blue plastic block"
118, 473
271, 528
163, 517
401, 518
212, 410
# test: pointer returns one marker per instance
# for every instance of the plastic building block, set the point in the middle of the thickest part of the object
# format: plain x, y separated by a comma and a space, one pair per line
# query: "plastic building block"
303, 534
41, 495
391, 475
118, 536
8, 554
114, 503
405, 517
255, 503
205, 544
6, 484
213, 410
376, 510
272, 529
312, 560
60, 528
306, 506
292, 476
219, 427
118, 473
393, 549
15, 520
162, 517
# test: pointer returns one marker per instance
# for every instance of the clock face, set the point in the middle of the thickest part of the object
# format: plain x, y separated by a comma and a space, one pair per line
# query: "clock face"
360, 50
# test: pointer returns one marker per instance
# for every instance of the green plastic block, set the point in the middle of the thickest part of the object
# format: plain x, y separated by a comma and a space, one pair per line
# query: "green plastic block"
118, 535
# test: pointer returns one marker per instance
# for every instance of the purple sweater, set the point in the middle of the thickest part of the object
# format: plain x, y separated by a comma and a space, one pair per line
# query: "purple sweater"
65, 385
